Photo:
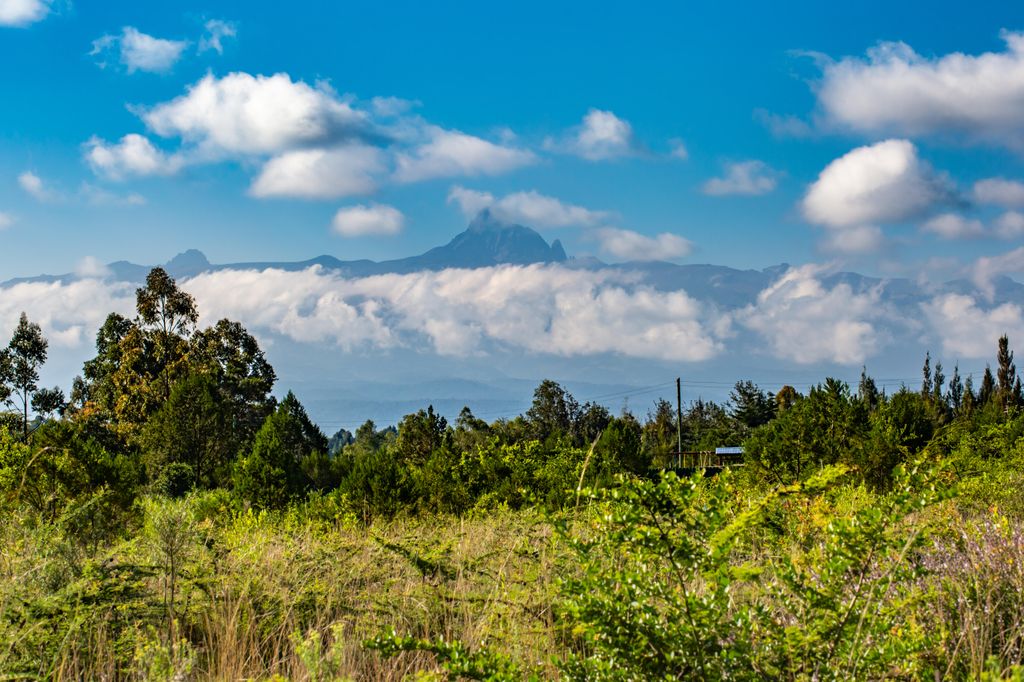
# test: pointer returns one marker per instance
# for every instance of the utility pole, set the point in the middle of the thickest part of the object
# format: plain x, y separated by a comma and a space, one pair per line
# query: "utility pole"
679, 420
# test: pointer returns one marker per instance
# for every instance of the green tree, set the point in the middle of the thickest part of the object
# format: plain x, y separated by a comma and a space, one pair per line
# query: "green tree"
49, 401
620, 450
193, 427
233, 358
169, 315
751, 406
1006, 373
659, 433
827, 427
926, 371
419, 435
553, 411
272, 473
867, 390
987, 391
26, 354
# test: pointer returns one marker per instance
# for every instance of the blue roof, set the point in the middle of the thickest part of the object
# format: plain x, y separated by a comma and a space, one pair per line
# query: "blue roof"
728, 451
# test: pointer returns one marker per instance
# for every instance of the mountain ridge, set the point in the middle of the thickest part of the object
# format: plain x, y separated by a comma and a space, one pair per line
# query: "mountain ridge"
489, 241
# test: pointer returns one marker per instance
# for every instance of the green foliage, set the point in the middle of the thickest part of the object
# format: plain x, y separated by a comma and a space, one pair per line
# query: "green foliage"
454, 659
272, 474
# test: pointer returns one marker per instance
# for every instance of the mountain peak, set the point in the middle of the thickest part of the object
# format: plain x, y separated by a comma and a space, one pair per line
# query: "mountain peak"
486, 221
186, 263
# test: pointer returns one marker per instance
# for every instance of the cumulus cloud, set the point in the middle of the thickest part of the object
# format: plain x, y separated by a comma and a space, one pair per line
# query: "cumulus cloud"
34, 186
895, 91
1000, 191
349, 170
69, 312
6, 220
361, 221
137, 51
954, 226
450, 153
133, 155
744, 177
23, 12
215, 31
245, 114
528, 208
678, 150
878, 183
1010, 225
600, 136
967, 329
806, 322
630, 245
987, 268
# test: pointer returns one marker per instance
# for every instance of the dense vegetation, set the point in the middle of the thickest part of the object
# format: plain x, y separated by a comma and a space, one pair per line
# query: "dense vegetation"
170, 519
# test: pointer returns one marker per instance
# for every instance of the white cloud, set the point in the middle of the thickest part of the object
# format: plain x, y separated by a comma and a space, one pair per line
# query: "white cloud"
744, 177
69, 312
361, 221
987, 268
392, 106
6, 220
967, 330
540, 309
1000, 191
895, 91
321, 173
1010, 225
527, 208
601, 136
806, 322
858, 239
245, 114
678, 150
883, 182
34, 186
216, 30
138, 51
133, 155
783, 126
23, 12
629, 245
450, 153
98, 196
954, 226
91, 267
871, 185
470, 201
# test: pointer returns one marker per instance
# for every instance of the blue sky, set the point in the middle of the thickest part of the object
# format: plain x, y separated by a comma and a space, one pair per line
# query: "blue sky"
709, 75
884, 138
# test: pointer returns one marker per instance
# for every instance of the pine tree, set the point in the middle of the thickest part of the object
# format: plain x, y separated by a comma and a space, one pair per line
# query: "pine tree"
867, 390
969, 399
955, 394
988, 387
938, 380
926, 371
1006, 373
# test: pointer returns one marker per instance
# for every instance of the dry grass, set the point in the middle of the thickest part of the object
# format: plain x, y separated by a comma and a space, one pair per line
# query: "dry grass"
260, 596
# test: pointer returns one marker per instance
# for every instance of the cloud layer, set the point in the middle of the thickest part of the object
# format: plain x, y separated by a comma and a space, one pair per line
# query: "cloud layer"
895, 91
